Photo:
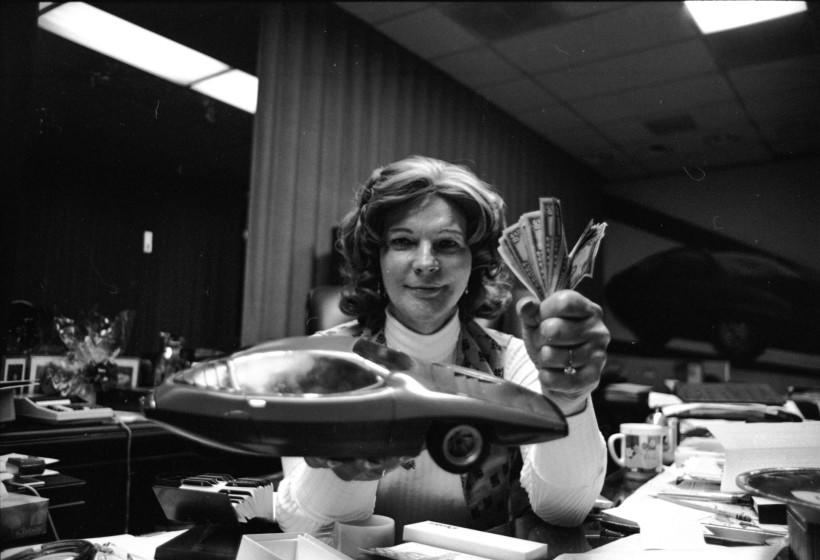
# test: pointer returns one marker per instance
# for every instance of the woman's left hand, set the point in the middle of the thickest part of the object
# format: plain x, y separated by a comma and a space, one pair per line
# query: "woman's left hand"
566, 339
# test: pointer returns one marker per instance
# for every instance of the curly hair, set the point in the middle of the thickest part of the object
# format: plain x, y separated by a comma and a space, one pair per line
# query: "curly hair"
397, 184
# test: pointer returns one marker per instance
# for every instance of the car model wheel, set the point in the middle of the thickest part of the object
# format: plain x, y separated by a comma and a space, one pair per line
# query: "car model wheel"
456, 448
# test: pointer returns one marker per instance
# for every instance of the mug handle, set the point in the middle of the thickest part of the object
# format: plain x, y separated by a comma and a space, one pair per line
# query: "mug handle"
610, 443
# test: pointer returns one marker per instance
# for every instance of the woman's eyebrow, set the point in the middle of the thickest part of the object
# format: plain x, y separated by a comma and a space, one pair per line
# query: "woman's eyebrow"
401, 229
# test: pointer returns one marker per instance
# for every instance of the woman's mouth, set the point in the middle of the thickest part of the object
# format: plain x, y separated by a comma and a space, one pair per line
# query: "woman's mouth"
426, 291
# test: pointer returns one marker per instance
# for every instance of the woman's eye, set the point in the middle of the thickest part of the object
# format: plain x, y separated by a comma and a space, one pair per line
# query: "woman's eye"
401, 242
448, 245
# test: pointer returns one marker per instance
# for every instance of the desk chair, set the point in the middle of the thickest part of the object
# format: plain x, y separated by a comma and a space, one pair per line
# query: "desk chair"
323, 309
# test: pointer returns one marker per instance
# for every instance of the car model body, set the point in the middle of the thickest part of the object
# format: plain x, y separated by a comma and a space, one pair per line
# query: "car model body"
338, 396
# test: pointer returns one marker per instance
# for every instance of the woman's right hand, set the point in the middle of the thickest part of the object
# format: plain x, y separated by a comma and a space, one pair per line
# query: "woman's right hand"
360, 469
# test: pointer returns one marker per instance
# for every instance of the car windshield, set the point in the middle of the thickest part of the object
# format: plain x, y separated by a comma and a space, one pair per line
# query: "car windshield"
305, 373
391, 359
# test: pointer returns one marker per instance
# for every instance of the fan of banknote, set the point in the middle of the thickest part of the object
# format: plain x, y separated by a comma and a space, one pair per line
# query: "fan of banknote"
535, 249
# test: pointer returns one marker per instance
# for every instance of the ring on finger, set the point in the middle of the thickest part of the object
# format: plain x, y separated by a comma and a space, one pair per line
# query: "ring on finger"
569, 369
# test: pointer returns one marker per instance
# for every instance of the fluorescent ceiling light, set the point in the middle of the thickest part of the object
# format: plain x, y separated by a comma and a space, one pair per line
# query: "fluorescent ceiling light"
115, 37
234, 87
712, 16
129, 43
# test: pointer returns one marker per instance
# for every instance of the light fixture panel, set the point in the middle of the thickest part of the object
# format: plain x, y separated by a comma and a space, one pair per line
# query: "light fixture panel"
115, 37
233, 87
712, 16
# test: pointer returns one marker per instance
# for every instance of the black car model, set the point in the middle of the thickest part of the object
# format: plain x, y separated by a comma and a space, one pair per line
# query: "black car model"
341, 397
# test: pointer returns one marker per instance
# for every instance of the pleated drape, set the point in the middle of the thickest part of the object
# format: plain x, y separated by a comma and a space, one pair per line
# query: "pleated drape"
337, 99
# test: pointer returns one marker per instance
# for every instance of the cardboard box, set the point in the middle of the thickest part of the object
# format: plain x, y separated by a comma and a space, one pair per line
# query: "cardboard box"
804, 532
286, 546
22, 516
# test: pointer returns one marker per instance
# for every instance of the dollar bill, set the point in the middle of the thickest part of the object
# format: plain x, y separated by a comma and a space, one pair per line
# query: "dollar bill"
582, 257
534, 234
516, 266
535, 250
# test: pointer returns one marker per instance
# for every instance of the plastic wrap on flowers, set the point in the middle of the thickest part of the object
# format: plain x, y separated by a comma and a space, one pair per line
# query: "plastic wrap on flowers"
88, 366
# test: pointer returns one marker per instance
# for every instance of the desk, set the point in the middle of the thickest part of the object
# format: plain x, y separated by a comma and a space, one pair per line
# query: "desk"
560, 540
119, 467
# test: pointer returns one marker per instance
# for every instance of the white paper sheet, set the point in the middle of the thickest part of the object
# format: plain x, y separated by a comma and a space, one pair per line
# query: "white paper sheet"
758, 445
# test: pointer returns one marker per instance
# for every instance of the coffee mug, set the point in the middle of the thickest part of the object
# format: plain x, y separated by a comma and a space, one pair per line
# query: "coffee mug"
641, 449
353, 536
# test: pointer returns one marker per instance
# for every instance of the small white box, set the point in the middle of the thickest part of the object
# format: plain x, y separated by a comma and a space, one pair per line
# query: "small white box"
470, 541
286, 546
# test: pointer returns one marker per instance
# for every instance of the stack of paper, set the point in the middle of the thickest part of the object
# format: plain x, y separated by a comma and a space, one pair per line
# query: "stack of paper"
760, 445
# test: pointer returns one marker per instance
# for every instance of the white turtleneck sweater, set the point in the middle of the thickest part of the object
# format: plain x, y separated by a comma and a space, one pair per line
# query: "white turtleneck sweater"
562, 477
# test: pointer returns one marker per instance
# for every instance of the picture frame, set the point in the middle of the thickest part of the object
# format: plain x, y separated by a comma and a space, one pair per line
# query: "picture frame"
36, 367
15, 373
127, 372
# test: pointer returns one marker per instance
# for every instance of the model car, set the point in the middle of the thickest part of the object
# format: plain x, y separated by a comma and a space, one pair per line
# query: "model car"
344, 397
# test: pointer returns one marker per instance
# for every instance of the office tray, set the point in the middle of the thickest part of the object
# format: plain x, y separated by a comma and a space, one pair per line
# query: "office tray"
731, 392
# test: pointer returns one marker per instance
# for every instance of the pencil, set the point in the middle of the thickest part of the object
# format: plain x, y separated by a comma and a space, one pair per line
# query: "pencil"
717, 510
707, 496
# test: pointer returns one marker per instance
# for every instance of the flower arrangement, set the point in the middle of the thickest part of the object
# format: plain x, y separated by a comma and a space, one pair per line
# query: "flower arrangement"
89, 366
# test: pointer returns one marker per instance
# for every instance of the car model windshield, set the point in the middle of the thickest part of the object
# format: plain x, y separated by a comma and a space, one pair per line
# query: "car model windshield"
304, 373
393, 360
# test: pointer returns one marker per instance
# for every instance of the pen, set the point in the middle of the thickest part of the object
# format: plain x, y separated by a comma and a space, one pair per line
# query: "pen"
717, 510
706, 496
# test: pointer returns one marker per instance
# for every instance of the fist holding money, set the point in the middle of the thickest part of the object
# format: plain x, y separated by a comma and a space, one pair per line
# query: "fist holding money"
563, 331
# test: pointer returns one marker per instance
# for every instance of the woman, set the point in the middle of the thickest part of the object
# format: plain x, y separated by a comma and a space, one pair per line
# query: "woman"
422, 263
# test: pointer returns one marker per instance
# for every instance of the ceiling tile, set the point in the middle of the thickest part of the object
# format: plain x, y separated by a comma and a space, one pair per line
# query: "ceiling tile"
775, 77
696, 159
603, 35
789, 105
478, 67
428, 33
786, 37
517, 96
656, 65
579, 141
499, 20
718, 116
655, 101
572, 10
723, 113
793, 138
377, 12
551, 117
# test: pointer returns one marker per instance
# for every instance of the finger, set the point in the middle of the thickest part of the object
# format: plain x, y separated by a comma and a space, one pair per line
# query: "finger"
586, 376
564, 332
559, 357
569, 304
529, 312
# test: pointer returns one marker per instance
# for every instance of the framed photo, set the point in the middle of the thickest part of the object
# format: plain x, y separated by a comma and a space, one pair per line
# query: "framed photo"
127, 372
37, 366
14, 373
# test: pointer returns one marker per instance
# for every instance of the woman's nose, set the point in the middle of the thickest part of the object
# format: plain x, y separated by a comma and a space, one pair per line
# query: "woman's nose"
425, 260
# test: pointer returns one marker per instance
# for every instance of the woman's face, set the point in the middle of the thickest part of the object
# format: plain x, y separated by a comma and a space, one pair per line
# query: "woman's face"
425, 262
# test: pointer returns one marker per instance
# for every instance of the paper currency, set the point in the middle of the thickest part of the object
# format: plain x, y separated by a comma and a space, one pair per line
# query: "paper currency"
535, 249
